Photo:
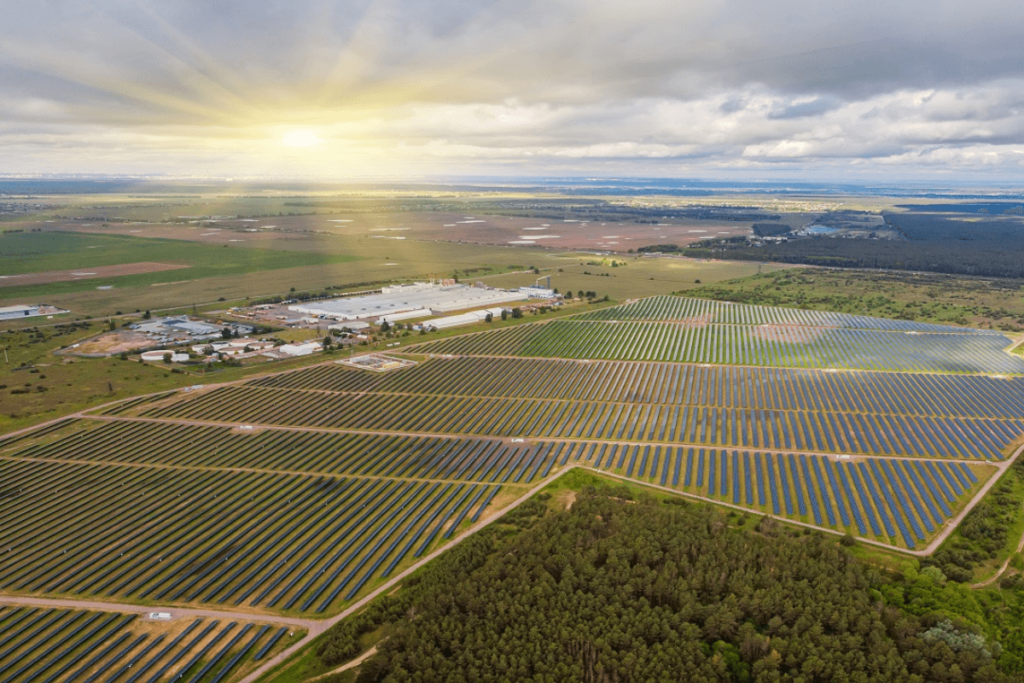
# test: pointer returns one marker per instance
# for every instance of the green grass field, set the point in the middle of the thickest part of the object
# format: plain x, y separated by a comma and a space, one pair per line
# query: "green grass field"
49, 251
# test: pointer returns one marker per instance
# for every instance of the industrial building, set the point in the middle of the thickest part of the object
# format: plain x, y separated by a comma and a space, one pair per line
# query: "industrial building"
405, 315
235, 347
19, 311
421, 296
305, 349
159, 355
464, 318
351, 326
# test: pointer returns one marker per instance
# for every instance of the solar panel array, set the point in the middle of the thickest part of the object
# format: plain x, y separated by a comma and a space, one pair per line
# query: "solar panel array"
50, 645
697, 331
302, 490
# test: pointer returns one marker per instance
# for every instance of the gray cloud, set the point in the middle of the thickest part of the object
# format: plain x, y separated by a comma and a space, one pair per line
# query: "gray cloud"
798, 110
528, 86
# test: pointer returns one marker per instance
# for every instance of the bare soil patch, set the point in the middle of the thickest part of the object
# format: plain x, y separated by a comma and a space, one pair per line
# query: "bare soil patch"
111, 343
788, 333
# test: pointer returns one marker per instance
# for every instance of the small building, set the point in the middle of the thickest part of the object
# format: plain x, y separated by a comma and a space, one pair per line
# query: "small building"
535, 292
28, 311
159, 355
305, 349
351, 326
18, 311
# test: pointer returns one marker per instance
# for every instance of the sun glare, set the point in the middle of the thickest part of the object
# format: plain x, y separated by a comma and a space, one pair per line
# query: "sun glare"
300, 138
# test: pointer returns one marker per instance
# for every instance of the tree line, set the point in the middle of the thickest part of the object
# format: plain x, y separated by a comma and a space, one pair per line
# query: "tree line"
989, 248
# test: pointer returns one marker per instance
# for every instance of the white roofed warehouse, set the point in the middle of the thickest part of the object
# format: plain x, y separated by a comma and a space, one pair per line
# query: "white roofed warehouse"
405, 298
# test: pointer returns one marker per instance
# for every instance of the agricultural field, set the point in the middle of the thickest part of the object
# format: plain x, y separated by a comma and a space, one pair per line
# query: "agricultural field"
28, 254
56, 645
149, 256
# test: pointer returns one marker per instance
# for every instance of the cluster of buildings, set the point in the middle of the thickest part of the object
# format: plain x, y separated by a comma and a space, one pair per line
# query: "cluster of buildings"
295, 350
234, 348
182, 329
175, 329
354, 314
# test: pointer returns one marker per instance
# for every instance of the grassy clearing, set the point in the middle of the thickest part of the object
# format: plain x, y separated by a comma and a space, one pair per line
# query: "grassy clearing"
37, 385
634, 277
988, 535
944, 299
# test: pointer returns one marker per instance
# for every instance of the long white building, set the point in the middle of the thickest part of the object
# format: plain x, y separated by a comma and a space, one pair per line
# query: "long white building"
464, 318
402, 298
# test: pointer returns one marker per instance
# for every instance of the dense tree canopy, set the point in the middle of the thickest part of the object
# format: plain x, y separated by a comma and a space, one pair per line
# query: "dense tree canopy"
930, 243
621, 590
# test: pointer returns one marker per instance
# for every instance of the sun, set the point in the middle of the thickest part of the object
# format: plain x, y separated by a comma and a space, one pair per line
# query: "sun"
300, 138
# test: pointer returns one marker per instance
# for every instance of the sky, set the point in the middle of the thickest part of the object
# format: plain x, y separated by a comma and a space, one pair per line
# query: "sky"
320, 89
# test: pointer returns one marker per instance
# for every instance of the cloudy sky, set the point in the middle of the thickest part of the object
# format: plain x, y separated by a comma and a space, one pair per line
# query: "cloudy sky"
355, 88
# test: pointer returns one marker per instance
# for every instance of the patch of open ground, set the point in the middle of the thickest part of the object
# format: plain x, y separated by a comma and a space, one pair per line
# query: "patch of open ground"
46, 277
111, 343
